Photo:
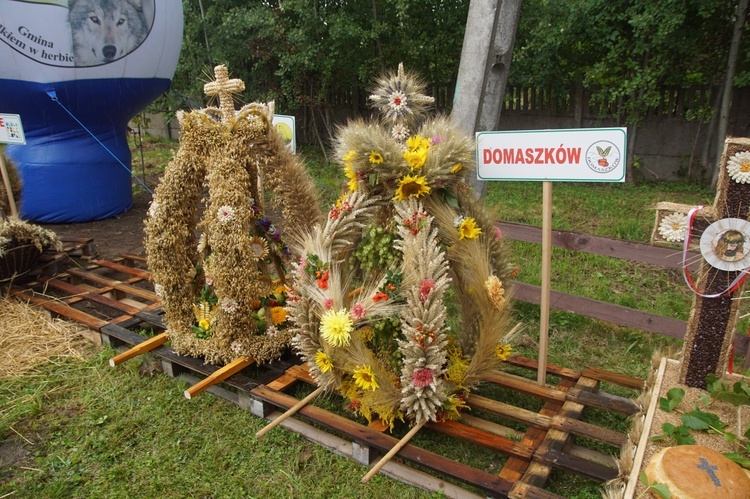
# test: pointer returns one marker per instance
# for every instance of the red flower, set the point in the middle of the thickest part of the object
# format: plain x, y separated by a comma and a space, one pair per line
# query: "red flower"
379, 296
323, 280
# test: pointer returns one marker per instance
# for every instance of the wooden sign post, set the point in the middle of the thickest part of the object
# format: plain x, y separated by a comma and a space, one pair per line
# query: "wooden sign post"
575, 155
723, 233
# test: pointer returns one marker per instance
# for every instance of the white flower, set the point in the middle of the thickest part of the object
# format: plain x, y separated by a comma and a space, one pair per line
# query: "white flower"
202, 243
159, 290
397, 101
458, 221
225, 214
271, 331
235, 347
673, 228
738, 167
153, 209
228, 305
400, 132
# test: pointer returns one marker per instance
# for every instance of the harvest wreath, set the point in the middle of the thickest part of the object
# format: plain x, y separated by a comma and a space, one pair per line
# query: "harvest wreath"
368, 301
223, 291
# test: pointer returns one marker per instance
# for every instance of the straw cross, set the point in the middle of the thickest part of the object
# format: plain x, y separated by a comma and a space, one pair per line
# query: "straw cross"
715, 310
224, 88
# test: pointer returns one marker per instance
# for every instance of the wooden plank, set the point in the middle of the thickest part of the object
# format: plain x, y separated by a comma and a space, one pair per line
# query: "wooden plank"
302, 373
139, 349
119, 285
508, 411
538, 473
615, 314
601, 400
282, 382
588, 430
483, 438
514, 469
62, 309
238, 381
554, 370
614, 378
522, 490
572, 464
89, 295
615, 248
440, 464
124, 269
643, 442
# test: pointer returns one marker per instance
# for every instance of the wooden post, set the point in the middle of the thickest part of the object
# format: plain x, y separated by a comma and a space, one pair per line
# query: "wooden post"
139, 349
8, 189
394, 450
290, 412
546, 273
228, 370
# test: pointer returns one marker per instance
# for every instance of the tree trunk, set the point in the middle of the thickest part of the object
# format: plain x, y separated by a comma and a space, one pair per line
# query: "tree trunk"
484, 68
726, 101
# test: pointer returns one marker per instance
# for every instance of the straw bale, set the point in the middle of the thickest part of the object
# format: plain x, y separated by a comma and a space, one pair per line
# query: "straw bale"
31, 337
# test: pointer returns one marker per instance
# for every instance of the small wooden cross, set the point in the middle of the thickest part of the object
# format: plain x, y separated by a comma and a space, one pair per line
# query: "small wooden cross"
710, 328
224, 88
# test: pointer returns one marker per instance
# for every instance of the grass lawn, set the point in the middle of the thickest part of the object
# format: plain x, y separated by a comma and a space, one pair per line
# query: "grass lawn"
82, 429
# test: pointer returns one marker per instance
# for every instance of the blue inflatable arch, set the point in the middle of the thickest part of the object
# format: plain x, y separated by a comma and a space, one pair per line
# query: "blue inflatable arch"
77, 71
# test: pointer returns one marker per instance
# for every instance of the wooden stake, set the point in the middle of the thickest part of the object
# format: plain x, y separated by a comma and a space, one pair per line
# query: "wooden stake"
394, 450
228, 370
8, 190
290, 412
546, 272
140, 348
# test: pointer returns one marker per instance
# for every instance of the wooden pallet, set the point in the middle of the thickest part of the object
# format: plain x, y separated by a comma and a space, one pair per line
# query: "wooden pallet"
115, 299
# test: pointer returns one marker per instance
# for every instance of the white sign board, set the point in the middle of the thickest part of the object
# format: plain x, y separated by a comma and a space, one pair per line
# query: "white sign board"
285, 126
573, 155
11, 130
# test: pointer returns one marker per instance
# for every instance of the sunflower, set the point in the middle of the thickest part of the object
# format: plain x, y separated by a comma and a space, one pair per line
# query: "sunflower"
411, 186
336, 327
468, 229
365, 378
376, 158
323, 361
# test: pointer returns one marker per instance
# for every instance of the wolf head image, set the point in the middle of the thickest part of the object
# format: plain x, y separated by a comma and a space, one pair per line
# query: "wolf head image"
105, 30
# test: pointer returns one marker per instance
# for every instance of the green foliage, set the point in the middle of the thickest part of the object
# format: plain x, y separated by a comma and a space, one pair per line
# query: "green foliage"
674, 397
658, 488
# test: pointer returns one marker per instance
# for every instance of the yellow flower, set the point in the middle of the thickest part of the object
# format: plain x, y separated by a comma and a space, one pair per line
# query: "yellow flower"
278, 315
323, 362
365, 378
415, 159
417, 142
350, 155
468, 229
457, 168
411, 187
502, 352
495, 291
375, 158
336, 327
352, 184
457, 368
204, 324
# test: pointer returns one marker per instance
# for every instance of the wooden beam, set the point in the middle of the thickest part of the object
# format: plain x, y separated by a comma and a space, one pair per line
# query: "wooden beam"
218, 376
139, 349
615, 248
